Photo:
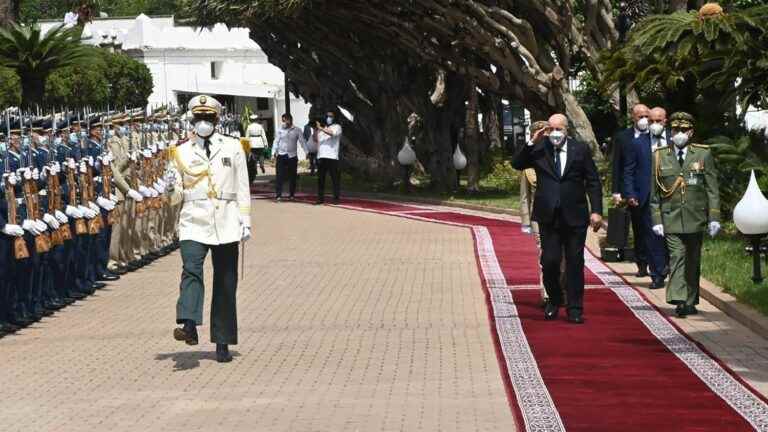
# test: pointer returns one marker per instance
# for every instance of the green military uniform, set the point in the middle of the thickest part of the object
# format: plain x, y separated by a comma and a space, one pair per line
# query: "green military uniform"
685, 200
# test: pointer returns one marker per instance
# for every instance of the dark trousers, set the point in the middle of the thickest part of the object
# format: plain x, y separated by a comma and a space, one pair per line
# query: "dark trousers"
5, 276
649, 248
191, 295
58, 270
330, 166
83, 263
102, 248
286, 168
558, 239
312, 157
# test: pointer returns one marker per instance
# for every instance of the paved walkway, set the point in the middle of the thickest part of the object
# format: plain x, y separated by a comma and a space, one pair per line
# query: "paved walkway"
349, 321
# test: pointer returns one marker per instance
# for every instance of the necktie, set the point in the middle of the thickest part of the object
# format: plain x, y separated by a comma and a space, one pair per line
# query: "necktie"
207, 145
558, 165
680, 158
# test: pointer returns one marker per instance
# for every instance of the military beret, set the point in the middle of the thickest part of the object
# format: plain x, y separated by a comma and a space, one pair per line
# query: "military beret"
681, 120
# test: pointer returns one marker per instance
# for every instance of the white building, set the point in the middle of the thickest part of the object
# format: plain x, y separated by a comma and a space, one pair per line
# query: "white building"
185, 61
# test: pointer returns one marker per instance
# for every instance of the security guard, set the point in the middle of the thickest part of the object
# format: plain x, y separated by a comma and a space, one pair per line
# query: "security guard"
685, 202
216, 217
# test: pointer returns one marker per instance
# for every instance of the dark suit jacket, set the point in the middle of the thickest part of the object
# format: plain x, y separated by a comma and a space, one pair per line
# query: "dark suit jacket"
620, 140
637, 163
568, 193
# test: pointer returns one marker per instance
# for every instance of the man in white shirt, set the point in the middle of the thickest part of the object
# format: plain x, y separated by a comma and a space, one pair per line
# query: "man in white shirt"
258, 139
286, 160
327, 139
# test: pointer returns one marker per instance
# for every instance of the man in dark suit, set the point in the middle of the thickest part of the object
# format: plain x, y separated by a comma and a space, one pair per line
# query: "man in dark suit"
622, 140
637, 163
566, 176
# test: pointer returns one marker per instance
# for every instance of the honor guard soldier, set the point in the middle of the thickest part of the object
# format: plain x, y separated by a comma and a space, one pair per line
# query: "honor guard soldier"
215, 217
685, 202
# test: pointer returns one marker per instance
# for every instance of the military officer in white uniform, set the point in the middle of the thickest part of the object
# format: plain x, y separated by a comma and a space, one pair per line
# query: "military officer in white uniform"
215, 216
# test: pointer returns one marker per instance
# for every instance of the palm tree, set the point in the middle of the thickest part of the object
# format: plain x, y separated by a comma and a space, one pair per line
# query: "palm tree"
34, 56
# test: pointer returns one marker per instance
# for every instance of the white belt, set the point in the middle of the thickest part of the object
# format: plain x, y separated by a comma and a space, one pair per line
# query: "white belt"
199, 195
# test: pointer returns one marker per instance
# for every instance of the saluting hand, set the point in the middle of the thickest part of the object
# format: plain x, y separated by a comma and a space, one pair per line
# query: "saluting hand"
596, 221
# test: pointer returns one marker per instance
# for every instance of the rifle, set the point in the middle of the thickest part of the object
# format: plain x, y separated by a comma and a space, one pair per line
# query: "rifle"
88, 193
20, 250
135, 171
106, 179
54, 186
32, 199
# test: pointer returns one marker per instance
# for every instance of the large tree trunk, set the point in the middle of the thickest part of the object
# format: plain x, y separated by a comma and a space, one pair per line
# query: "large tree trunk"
580, 127
9, 12
472, 139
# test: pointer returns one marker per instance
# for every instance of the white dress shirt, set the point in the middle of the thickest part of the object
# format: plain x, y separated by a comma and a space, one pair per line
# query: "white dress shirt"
286, 141
328, 145
659, 141
563, 156
256, 136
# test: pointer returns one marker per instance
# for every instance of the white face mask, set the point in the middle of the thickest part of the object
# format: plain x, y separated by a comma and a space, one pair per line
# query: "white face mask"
329, 121
642, 124
680, 139
556, 137
204, 128
657, 129
44, 140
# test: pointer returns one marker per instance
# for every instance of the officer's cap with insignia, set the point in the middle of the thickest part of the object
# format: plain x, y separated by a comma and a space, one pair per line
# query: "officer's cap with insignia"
681, 121
204, 105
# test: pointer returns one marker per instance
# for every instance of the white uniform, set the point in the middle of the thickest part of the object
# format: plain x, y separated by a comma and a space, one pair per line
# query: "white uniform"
256, 136
213, 210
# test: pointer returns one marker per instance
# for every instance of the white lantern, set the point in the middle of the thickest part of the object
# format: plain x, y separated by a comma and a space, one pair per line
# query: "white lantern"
406, 156
459, 160
751, 213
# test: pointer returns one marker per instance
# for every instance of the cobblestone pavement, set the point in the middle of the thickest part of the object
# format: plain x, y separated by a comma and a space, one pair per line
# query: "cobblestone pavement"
349, 321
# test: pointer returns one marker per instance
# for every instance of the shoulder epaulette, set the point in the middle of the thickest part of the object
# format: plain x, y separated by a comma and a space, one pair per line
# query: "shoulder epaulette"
182, 141
700, 146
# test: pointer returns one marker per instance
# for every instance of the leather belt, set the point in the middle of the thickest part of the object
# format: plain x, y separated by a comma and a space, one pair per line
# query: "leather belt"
200, 195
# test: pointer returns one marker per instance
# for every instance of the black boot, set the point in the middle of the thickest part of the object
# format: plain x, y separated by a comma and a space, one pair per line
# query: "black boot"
222, 353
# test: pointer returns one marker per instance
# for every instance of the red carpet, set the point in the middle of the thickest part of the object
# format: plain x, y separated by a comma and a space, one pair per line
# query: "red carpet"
628, 368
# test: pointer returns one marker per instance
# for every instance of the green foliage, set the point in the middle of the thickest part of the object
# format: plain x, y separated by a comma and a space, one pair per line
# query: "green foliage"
501, 176
597, 106
681, 48
109, 79
34, 56
735, 159
10, 88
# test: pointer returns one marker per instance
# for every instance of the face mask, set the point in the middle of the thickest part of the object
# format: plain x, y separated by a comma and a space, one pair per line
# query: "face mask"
25, 142
329, 120
44, 140
285, 125
680, 139
57, 141
642, 124
83, 134
657, 129
556, 137
204, 128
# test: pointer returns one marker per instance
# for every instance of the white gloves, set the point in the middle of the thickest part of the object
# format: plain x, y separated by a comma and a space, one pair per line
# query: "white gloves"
26, 173
13, 230
144, 191
245, 228
51, 221
12, 178
87, 212
113, 198
35, 174
71, 163
153, 192
92, 205
135, 195
56, 165
714, 228
159, 187
526, 229
61, 217
41, 226
73, 212
105, 204
90, 160
658, 230
83, 168
31, 226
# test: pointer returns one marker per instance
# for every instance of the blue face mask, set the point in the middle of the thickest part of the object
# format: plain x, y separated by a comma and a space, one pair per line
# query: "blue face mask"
73, 138
25, 142
57, 141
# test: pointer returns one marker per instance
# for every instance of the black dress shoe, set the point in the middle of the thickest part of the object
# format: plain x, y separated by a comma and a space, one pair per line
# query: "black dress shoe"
78, 295
642, 271
108, 277
691, 310
98, 285
680, 311
222, 353
550, 311
186, 334
575, 317
336, 201
657, 283
319, 202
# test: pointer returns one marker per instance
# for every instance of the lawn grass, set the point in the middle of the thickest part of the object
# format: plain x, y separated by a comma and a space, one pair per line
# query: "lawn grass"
725, 263
489, 196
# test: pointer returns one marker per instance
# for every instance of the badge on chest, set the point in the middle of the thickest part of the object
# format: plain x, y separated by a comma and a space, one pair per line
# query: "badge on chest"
227, 162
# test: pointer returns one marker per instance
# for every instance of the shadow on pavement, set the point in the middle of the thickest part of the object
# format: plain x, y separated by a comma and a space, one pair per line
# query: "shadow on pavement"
188, 360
